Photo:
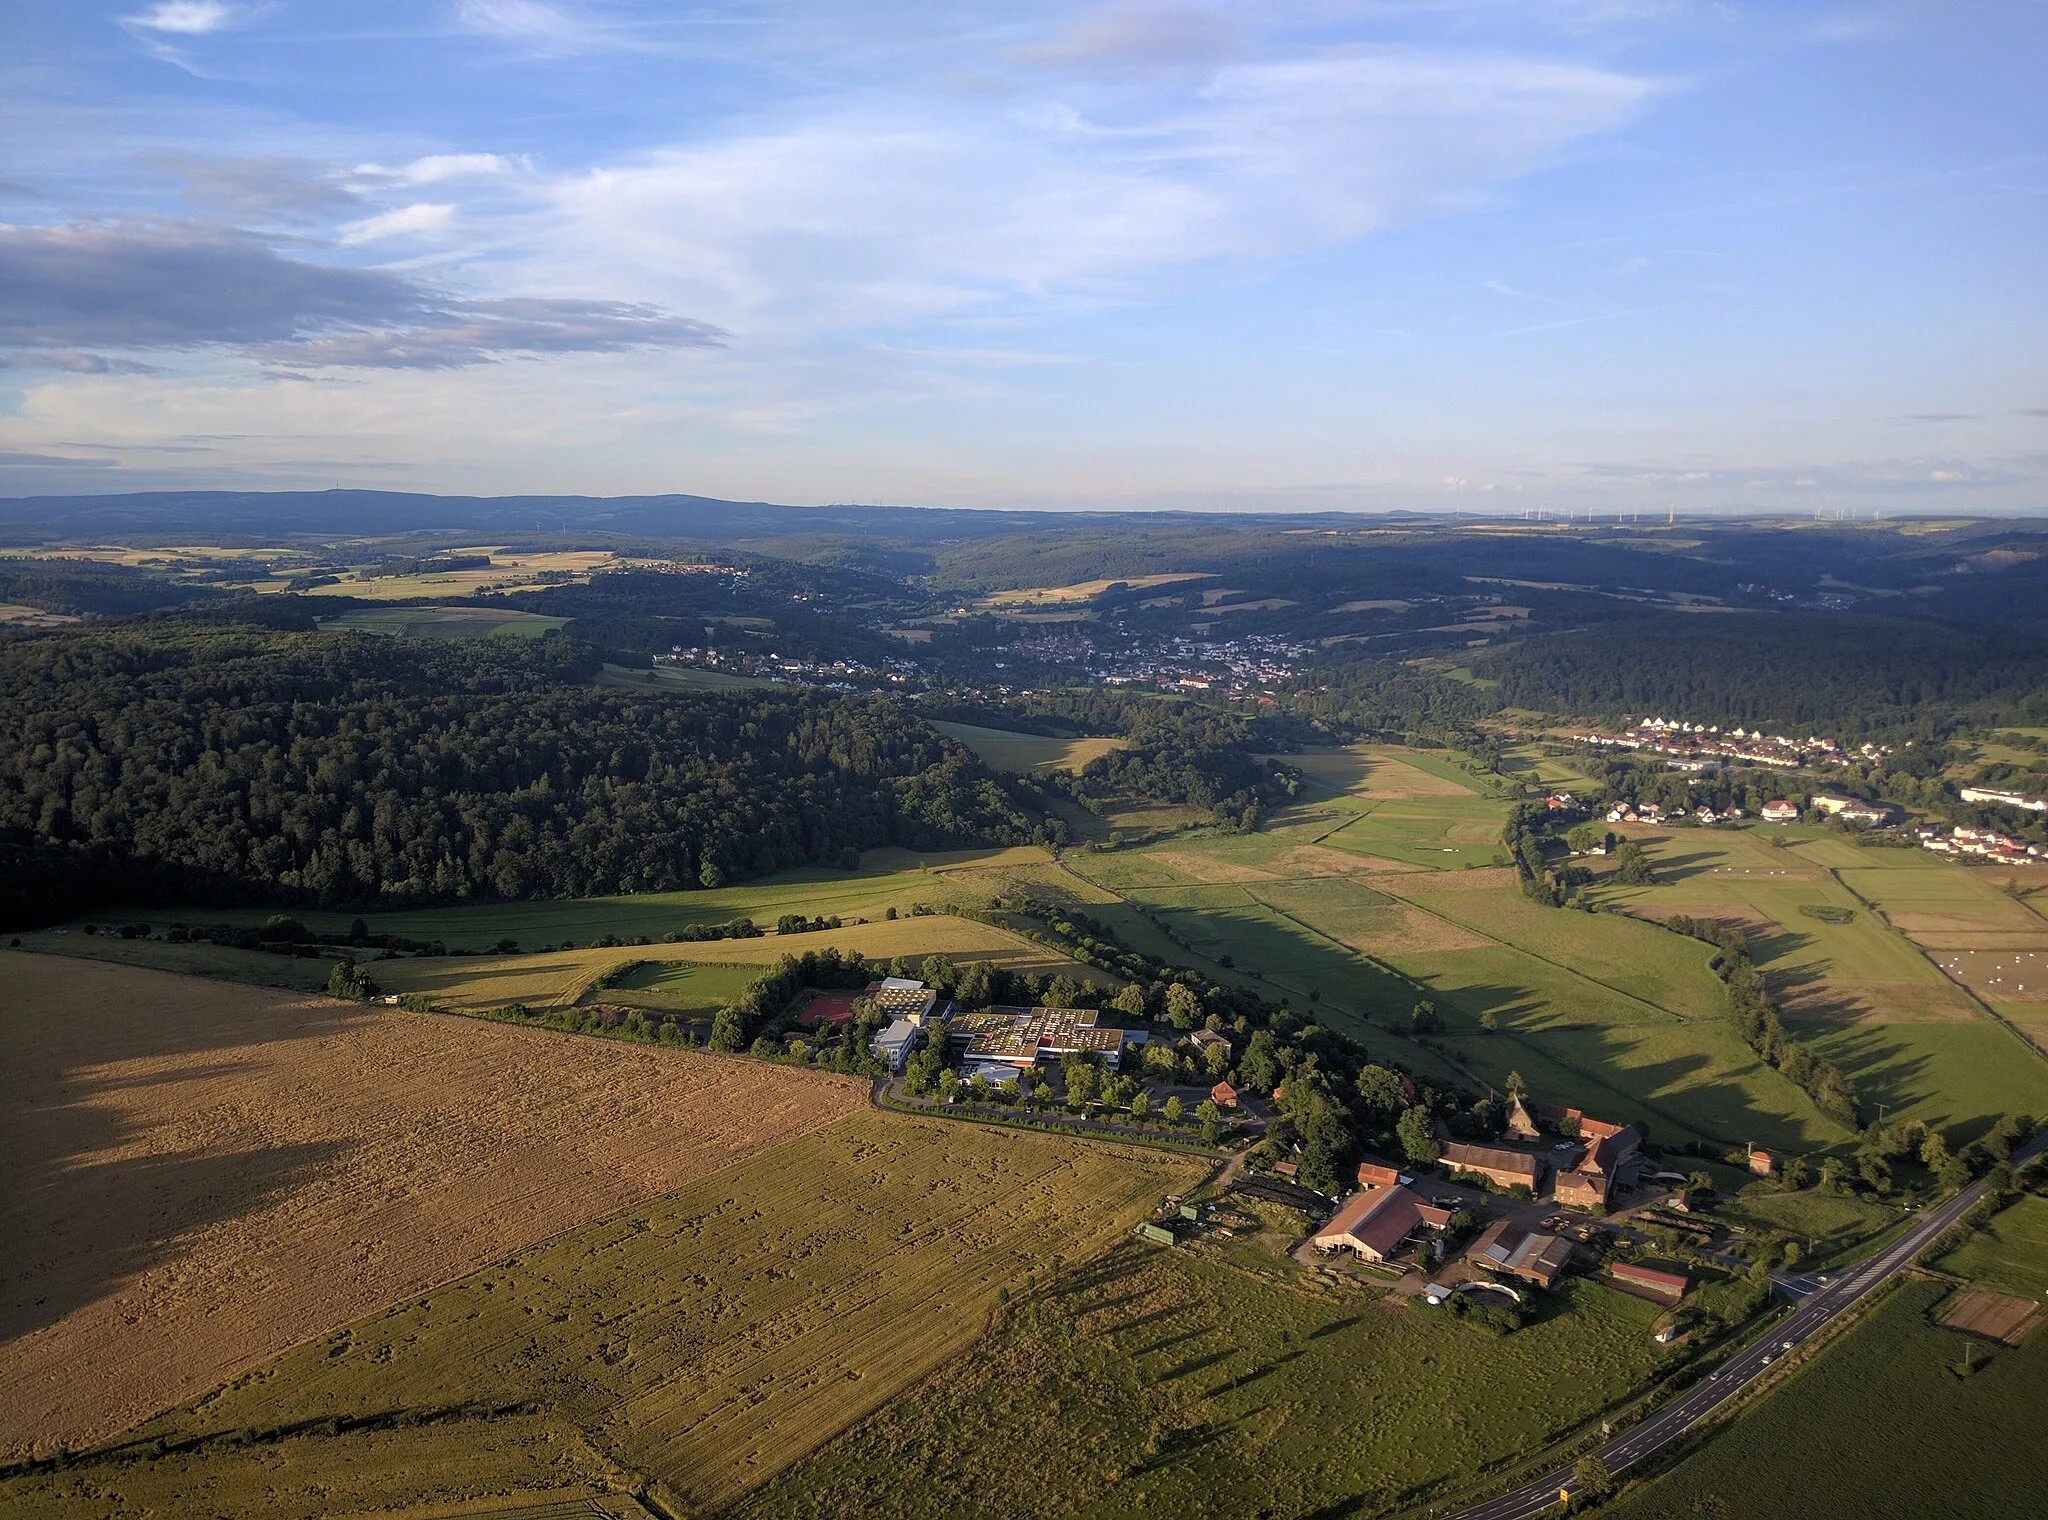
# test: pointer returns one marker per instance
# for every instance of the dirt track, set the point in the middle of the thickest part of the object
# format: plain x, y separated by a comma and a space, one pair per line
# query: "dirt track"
199, 1174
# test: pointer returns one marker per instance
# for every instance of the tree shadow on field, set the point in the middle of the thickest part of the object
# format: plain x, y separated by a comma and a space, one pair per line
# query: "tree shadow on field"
90, 1087
1675, 868
95, 1228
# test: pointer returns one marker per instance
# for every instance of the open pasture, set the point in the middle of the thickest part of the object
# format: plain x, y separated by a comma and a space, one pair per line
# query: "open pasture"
2010, 1252
1437, 833
508, 571
1006, 750
1083, 591
1877, 1427
1947, 906
1368, 921
15, 615
210, 1173
674, 678
443, 622
1695, 1080
1383, 772
1528, 763
888, 878
1837, 972
704, 1340
1169, 1382
1663, 969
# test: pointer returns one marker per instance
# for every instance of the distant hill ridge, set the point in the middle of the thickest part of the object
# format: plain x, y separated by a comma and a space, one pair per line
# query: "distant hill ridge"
706, 519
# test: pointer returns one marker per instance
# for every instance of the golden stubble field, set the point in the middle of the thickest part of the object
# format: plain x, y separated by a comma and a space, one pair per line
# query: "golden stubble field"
199, 1175
690, 1347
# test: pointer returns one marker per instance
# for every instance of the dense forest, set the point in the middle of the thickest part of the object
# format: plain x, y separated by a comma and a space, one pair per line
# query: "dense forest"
183, 759
1803, 672
83, 587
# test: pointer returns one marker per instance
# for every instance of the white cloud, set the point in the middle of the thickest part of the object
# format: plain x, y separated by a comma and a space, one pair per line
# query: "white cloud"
530, 24
421, 218
436, 167
872, 213
186, 18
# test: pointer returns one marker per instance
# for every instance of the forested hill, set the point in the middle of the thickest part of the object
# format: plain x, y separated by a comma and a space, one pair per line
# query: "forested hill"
174, 760
1847, 674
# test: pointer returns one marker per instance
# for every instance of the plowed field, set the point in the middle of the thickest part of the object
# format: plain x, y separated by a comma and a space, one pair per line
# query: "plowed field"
199, 1175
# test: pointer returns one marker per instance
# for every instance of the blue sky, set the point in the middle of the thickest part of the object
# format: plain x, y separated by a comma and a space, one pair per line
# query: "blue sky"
1577, 255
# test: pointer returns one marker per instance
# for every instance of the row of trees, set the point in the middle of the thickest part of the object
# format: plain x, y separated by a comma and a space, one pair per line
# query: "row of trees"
1754, 1012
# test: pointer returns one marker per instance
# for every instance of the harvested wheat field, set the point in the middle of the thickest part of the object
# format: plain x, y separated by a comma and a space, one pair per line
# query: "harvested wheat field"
696, 1344
201, 1174
1995, 1316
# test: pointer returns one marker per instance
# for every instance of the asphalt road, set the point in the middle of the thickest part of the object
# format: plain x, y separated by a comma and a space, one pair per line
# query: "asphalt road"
1817, 1304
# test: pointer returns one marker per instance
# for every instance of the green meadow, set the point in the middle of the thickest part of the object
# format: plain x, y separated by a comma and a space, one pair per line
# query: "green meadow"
1160, 1381
1877, 1427
2010, 1252
1861, 992
464, 621
1439, 833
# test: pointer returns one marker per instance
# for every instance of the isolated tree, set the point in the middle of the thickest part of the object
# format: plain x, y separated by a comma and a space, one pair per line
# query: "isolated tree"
1591, 1477
348, 980
1417, 1143
1700, 1184
1141, 1105
1424, 1018
1209, 1114
1129, 1000
1793, 1177
1172, 1111
1488, 1022
1217, 1061
1584, 837
1632, 865
1516, 1087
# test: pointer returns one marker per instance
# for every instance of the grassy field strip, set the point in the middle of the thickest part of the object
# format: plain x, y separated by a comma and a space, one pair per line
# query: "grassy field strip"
1571, 971
1138, 930
561, 978
1983, 1005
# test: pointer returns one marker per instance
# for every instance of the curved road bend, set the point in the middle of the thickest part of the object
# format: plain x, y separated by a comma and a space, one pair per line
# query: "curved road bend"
1849, 1286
